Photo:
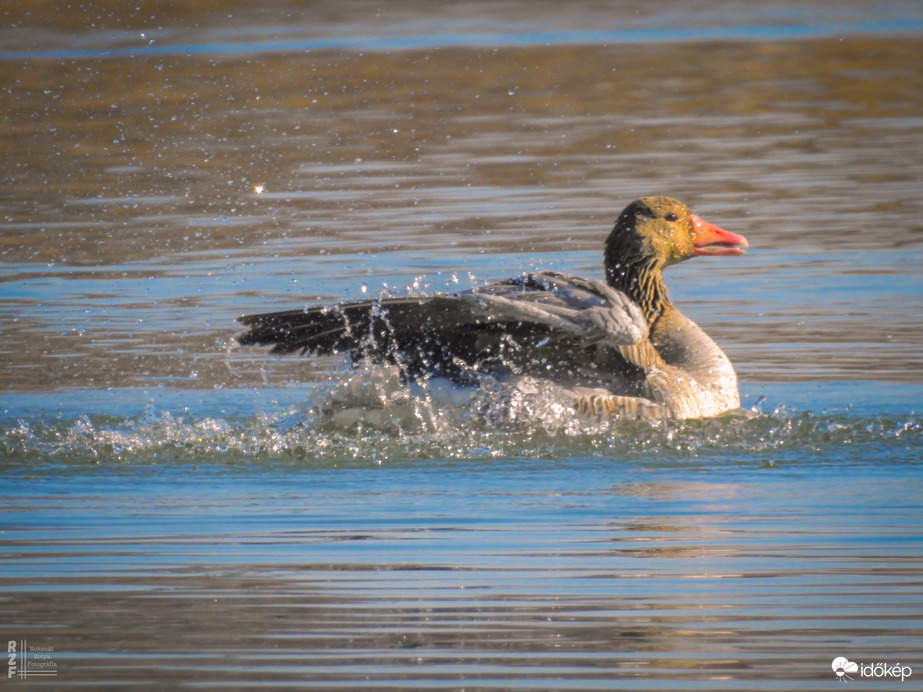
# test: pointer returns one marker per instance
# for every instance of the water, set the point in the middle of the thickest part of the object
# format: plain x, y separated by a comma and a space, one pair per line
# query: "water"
171, 515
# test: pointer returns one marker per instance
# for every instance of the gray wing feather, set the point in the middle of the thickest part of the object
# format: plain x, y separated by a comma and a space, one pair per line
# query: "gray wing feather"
586, 308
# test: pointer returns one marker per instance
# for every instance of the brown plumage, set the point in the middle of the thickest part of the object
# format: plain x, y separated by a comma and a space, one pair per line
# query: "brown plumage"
617, 348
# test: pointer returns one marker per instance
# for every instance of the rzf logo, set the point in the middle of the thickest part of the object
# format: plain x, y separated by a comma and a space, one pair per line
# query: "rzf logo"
11, 650
27, 661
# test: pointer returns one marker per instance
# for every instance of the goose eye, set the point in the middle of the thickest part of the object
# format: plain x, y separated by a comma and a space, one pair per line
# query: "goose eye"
671, 217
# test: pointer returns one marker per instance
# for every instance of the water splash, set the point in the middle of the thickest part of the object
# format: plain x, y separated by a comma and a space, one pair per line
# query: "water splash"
379, 419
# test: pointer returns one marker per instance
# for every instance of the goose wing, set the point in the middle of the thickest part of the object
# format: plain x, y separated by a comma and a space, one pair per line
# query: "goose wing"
537, 317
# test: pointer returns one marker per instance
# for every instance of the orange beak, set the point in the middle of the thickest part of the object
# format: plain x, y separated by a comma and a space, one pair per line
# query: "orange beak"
710, 239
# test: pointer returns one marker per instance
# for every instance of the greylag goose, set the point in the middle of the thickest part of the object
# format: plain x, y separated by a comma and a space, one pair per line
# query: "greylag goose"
616, 348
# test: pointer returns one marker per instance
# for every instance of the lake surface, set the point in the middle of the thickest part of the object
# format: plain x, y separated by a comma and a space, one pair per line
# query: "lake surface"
174, 514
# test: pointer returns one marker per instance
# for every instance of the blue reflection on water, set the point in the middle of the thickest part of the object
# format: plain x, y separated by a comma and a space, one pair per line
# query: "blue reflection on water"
747, 22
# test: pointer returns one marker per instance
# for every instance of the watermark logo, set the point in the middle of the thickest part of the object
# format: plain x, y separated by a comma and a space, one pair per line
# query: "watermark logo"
846, 670
842, 667
27, 661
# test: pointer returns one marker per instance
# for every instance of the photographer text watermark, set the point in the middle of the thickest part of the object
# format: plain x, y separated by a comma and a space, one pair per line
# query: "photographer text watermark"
27, 661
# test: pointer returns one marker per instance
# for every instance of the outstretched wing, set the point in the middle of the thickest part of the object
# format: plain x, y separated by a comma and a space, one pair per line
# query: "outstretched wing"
543, 317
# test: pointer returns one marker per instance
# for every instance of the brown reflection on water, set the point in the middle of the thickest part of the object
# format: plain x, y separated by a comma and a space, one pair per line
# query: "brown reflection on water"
241, 630
130, 153
173, 160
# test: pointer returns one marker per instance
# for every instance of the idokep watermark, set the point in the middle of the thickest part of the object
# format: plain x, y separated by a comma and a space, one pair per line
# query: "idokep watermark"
846, 670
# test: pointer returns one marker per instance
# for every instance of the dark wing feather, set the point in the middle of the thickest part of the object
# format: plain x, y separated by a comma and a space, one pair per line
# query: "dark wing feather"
542, 318
326, 330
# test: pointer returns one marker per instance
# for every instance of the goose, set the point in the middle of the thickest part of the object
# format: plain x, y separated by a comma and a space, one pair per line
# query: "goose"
615, 348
